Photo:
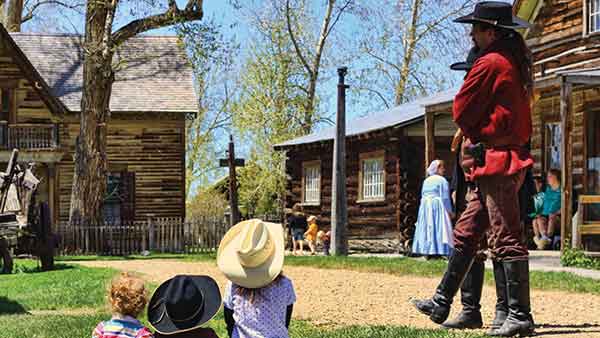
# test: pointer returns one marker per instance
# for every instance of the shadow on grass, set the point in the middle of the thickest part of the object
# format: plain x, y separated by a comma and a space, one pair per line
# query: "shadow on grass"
37, 269
8, 306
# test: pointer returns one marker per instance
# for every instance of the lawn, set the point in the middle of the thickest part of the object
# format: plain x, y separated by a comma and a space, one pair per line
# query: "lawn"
69, 302
402, 266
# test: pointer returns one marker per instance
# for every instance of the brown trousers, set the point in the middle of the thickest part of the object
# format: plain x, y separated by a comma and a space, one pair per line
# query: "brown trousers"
493, 206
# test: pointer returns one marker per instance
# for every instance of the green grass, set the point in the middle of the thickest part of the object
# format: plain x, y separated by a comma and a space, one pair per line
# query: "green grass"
68, 287
60, 326
73, 288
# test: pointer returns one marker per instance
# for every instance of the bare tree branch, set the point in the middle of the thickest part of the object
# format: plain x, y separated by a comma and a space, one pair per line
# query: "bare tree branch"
337, 17
193, 11
293, 38
31, 12
435, 23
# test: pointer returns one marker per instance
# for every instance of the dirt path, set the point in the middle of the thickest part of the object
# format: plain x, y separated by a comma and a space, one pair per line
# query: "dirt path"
341, 297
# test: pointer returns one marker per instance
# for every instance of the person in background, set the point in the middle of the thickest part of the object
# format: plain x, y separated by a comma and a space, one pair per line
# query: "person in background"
259, 298
433, 234
181, 305
311, 234
298, 225
127, 299
546, 223
325, 239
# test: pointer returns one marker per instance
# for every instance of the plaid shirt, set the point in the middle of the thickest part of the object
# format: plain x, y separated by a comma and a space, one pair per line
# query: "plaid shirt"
126, 327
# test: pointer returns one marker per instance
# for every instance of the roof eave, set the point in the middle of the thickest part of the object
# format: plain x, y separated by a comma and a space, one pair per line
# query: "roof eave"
33, 76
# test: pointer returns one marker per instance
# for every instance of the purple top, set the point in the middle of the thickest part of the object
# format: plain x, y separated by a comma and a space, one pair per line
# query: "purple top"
265, 317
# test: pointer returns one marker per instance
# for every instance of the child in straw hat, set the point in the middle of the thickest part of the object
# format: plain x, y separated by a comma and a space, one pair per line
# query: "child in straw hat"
259, 299
127, 299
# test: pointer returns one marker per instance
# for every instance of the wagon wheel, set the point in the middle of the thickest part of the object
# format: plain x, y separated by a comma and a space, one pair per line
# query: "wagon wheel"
5, 257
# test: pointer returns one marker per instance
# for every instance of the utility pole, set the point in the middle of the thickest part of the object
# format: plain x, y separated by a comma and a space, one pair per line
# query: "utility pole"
232, 162
339, 212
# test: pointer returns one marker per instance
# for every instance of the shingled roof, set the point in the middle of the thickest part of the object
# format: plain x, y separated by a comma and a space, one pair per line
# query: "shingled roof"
399, 116
153, 73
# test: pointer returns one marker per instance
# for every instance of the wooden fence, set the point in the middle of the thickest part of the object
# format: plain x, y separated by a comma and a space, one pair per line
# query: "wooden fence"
168, 235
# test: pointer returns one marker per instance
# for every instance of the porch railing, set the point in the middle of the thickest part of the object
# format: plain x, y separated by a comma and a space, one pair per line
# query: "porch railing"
28, 136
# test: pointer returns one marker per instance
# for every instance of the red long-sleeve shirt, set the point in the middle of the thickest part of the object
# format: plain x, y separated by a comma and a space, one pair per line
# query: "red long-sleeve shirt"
492, 107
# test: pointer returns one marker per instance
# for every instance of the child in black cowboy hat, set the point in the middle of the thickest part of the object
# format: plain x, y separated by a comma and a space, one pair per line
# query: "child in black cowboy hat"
182, 304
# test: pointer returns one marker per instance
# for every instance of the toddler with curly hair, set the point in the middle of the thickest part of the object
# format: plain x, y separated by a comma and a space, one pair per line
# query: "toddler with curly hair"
127, 299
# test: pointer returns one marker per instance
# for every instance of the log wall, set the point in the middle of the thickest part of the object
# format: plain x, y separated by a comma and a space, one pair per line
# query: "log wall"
392, 218
558, 43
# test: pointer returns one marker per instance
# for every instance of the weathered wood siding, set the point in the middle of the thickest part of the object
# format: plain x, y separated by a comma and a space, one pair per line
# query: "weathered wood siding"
557, 39
558, 43
151, 145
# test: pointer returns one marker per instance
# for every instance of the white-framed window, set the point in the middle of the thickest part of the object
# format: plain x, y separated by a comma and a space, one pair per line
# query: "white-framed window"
592, 16
311, 181
553, 140
372, 176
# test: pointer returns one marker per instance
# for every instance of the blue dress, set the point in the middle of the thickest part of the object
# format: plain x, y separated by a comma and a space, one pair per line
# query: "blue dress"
433, 234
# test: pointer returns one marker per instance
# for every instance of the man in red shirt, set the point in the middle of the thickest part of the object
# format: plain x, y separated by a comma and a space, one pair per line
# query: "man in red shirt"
493, 112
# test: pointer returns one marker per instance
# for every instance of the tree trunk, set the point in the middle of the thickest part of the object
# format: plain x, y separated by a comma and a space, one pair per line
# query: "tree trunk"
13, 15
89, 178
2, 11
411, 42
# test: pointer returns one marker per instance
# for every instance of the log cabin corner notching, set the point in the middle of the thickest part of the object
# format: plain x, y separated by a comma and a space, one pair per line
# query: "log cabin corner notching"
153, 94
384, 169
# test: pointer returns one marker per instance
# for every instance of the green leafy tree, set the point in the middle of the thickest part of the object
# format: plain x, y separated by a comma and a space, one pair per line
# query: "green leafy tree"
268, 111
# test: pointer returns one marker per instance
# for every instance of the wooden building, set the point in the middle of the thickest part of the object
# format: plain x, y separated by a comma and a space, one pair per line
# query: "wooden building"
41, 89
385, 165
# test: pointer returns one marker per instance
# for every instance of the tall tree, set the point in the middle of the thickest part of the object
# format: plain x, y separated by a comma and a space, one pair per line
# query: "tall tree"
311, 57
212, 58
406, 46
89, 178
268, 111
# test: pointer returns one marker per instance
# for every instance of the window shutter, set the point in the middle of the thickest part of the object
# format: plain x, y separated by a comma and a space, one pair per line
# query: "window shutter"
127, 192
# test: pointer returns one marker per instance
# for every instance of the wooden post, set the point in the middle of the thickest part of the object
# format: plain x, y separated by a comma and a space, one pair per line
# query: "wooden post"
429, 138
339, 212
151, 233
233, 197
232, 162
51, 191
566, 151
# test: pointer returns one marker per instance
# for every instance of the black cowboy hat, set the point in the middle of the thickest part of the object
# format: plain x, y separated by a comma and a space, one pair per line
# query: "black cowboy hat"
183, 303
495, 13
474, 53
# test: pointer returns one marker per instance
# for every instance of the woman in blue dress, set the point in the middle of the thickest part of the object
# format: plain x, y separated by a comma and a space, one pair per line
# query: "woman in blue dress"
433, 234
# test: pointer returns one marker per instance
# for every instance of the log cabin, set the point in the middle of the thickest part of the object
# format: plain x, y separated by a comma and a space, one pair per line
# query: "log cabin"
153, 94
385, 166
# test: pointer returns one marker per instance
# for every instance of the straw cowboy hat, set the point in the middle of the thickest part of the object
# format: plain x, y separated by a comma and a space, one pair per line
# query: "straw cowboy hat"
495, 13
311, 218
183, 303
251, 253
